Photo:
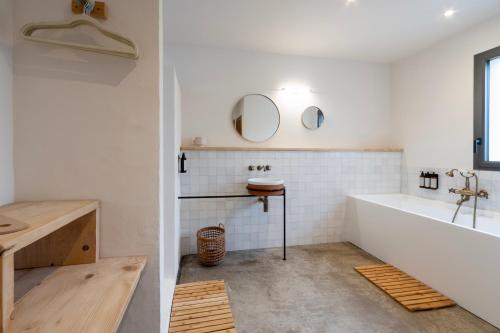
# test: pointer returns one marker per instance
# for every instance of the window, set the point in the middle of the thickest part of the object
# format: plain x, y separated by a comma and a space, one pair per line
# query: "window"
487, 110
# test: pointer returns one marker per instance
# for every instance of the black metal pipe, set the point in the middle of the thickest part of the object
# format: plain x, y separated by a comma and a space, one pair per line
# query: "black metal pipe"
284, 224
219, 196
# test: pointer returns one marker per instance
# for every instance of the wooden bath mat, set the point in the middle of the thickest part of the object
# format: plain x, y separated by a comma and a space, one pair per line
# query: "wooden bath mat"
201, 307
406, 290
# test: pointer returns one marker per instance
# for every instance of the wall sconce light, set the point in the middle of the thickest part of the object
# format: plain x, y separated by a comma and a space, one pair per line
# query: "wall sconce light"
297, 90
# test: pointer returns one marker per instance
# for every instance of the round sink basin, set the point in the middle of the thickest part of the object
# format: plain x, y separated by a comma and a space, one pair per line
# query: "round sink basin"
266, 181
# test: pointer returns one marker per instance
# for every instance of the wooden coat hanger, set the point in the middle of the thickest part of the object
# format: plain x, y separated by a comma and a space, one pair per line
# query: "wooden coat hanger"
28, 30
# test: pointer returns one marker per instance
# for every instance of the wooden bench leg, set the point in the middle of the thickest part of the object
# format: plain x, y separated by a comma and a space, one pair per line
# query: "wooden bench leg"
7, 293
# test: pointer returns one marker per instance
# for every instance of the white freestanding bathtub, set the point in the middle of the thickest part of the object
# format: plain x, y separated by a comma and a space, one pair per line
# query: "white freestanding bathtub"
417, 236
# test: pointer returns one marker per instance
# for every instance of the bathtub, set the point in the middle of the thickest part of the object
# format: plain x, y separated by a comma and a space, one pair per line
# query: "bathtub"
417, 236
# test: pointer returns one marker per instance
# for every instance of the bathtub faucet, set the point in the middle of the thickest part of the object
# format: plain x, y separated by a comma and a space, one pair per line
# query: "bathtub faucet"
466, 193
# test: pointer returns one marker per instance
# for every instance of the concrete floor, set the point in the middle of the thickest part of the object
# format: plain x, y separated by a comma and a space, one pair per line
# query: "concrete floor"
317, 290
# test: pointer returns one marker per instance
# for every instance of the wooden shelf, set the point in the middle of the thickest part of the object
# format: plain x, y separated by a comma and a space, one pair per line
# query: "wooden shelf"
211, 148
43, 218
80, 298
59, 246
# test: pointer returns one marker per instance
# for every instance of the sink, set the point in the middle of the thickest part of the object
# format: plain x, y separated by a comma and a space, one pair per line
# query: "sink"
266, 181
266, 187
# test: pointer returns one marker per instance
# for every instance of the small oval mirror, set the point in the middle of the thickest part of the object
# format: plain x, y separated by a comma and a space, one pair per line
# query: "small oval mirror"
313, 118
256, 118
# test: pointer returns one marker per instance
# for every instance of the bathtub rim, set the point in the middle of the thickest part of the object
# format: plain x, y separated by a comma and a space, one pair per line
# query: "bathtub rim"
363, 197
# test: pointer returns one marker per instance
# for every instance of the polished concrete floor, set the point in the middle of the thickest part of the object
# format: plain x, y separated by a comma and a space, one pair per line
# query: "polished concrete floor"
317, 290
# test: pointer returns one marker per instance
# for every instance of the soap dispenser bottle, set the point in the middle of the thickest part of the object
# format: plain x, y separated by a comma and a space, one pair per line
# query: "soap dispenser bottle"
434, 181
422, 180
427, 180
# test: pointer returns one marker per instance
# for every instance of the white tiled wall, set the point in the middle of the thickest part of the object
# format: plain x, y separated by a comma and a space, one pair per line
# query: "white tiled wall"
317, 185
488, 180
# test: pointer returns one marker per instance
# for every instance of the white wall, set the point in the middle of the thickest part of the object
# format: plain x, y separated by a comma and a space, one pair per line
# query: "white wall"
354, 96
170, 183
433, 99
86, 126
6, 81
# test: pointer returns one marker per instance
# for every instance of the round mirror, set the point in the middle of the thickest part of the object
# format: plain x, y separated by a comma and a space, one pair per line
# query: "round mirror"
256, 118
313, 118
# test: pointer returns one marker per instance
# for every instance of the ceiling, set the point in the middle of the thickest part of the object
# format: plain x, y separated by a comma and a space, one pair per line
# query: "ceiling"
368, 30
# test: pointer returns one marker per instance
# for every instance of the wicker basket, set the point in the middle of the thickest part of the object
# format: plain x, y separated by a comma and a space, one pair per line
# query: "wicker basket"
211, 245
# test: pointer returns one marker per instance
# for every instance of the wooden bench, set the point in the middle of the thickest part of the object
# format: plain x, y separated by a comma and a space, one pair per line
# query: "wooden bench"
82, 293
201, 307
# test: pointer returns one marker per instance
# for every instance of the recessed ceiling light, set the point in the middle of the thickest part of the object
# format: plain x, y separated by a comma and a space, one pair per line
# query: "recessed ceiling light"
349, 2
449, 13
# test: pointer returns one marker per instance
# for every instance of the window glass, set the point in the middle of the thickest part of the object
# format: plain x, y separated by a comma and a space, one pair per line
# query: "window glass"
493, 114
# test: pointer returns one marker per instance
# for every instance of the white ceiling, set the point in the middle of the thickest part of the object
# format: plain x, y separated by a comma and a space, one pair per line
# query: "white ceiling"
370, 30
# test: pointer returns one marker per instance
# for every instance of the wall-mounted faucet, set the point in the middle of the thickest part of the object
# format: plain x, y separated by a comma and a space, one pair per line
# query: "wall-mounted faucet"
260, 167
264, 168
466, 193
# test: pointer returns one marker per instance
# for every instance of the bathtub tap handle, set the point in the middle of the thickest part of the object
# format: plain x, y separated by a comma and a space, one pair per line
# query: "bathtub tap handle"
483, 194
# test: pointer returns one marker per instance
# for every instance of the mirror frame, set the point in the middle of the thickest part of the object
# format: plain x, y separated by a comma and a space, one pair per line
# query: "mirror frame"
277, 109
318, 109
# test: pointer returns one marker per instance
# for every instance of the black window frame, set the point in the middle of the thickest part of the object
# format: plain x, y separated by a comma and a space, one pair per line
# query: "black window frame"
480, 144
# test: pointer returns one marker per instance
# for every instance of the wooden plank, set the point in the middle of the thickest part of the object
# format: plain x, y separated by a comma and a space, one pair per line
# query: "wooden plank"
391, 279
198, 295
99, 11
195, 288
423, 291
196, 284
431, 306
211, 329
418, 296
406, 290
201, 307
7, 293
199, 289
424, 300
207, 148
190, 311
178, 304
43, 217
211, 325
201, 319
73, 244
200, 315
81, 298
395, 284
398, 284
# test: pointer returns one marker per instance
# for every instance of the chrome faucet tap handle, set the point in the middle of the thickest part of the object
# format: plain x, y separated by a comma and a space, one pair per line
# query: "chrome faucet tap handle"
267, 168
260, 168
251, 167
483, 194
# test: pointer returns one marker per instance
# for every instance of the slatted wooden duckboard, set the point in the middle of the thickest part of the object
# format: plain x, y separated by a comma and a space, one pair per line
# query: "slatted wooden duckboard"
406, 290
201, 307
